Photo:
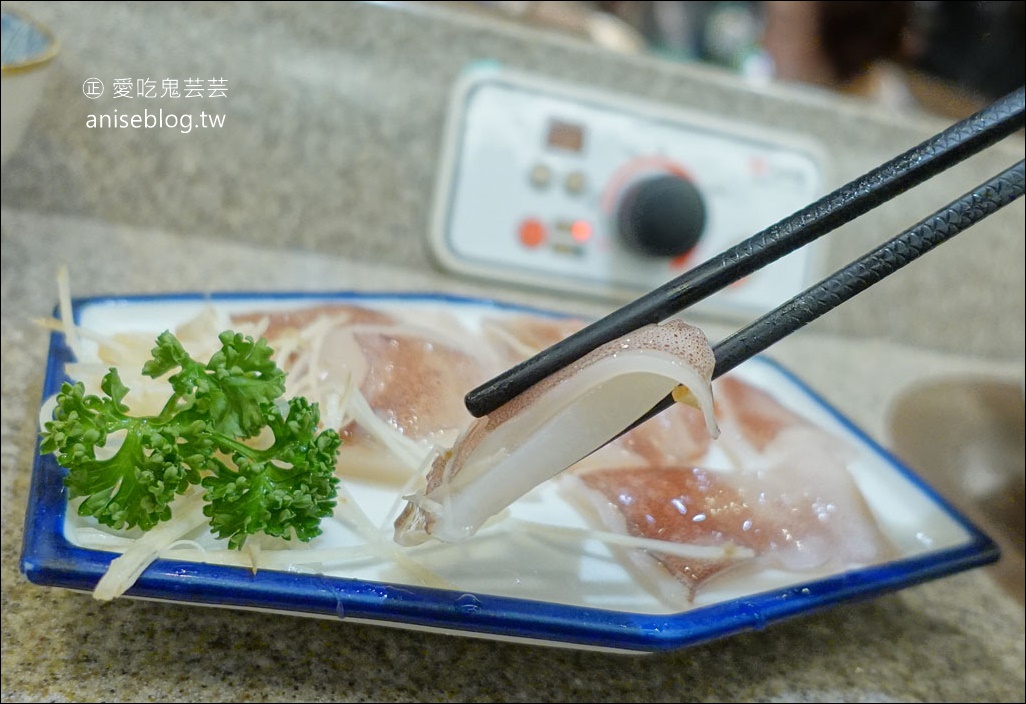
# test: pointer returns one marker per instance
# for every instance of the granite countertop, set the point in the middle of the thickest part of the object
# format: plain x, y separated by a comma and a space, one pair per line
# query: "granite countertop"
960, 638
322, 180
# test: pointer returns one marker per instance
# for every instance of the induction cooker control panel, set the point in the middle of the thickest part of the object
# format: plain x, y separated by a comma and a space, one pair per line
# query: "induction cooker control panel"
555, 186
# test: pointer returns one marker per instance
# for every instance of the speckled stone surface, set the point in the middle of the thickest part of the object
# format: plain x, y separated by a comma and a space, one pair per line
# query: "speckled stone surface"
334, 117
322, 179
957, 639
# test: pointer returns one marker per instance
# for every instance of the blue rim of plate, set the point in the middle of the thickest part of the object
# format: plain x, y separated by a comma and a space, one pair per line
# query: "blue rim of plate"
49, 559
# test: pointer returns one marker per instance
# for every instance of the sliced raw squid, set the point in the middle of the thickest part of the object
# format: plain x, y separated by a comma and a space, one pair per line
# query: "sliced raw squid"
792, 505
773, 491
676, 504
411, 369
554, 424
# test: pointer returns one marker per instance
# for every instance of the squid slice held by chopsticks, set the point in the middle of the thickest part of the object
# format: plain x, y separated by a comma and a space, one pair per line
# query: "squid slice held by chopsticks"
555, 423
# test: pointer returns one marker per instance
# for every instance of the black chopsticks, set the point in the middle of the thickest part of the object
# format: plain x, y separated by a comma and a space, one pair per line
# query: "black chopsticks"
949, 147
952, 219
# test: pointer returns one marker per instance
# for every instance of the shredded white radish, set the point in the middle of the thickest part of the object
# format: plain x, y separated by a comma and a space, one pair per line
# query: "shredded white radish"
80, 333
728, 551
101, 539
65, 308
382, 543
410, 452
186, 516
273, 559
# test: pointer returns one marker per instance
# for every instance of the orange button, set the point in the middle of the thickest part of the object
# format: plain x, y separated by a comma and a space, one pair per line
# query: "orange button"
581, 231
532, 232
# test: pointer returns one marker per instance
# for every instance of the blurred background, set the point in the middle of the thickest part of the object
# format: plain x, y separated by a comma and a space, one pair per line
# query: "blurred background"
348, 129
948, 58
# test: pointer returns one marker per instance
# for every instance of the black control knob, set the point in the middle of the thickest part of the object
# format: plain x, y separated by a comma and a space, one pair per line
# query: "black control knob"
661, 216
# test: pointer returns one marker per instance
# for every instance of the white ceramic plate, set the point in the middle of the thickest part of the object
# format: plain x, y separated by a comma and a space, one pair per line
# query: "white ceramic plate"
509, 585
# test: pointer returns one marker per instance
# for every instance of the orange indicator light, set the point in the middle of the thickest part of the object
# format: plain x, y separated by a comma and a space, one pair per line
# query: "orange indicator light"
532, 232
581, 231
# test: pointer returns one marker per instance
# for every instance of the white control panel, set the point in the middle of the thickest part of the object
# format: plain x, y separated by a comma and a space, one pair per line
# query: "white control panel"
554, 186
